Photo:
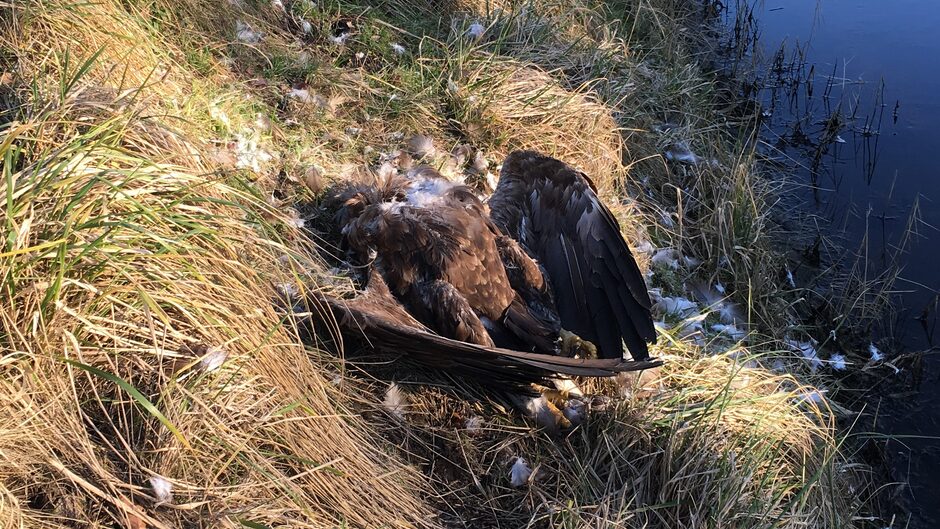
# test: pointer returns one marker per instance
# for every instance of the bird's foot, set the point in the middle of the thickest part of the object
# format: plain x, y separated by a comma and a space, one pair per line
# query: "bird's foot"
566, 402
573, 345
546, 413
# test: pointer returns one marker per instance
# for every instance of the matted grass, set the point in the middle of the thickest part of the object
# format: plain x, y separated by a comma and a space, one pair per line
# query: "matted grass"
152, 157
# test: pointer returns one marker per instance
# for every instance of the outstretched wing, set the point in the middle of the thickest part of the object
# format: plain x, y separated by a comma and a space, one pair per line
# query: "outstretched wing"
555, 214
377, 316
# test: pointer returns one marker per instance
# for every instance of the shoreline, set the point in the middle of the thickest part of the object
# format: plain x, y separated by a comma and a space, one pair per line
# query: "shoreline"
156, 186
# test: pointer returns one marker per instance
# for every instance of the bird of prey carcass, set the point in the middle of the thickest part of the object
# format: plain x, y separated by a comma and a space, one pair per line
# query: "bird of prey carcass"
533, 283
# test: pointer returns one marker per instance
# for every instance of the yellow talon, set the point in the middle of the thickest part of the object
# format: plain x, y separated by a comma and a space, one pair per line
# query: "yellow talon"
573, 345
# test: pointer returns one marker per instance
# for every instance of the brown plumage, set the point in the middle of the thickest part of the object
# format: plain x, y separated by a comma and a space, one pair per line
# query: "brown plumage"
554, 212
486, 289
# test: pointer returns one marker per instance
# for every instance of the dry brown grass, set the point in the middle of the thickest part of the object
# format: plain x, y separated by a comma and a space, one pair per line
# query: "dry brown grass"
140, 247
130, 257
512, 106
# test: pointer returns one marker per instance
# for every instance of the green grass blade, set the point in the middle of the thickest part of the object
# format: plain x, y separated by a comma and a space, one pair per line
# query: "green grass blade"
252, 525
133, 392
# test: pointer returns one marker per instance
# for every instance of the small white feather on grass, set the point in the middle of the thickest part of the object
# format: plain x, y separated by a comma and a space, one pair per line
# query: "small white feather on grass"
814, 396
162, 489
473, 425
213, 359
244, 33
837, 362
249, 154
677, 306
396, 401
730, 331
520, 473
476, 30
665, 258
808, 351
421, 146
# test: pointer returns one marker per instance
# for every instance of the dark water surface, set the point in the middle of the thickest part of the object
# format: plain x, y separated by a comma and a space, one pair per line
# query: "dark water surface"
881, 57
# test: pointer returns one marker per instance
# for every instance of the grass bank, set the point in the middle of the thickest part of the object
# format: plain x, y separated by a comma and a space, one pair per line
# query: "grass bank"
153, 155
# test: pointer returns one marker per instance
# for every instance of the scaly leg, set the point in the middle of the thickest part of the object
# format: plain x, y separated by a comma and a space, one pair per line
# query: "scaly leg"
573, 345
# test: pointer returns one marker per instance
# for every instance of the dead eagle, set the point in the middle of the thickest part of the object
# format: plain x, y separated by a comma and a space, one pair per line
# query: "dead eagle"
508, 291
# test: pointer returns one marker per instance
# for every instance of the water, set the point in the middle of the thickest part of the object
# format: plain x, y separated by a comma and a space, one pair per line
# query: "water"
884, 56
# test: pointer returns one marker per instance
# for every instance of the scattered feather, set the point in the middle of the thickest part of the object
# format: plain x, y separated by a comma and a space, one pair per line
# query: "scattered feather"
719, 288
644, 247
682, 153
491, 180
248, 154
693, 327
473, 424
729, 312
520, 473
339, 40
666, 218
476, 30
302, 95
814, 396
288, 290
665, 258
876, 354
244, 33
460, 154
219, 115
306, 27
295, 220
421, 146
162, 489
808, 351
398, 48
395, 401
691, 262
538, 409
837, 362
262, 122
790, 280
729, 330
213, 359
655, 293
479, 164
386, 172
574, 411
678, 306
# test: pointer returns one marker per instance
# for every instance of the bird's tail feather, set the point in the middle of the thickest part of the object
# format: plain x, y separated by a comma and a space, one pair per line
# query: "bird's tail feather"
487, 364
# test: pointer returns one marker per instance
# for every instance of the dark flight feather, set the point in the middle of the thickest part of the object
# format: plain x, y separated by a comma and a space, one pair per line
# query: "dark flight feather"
554, 211
389, 328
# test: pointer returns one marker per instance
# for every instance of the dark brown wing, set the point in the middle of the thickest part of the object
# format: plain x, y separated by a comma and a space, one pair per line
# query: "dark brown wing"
376, 315
555, 214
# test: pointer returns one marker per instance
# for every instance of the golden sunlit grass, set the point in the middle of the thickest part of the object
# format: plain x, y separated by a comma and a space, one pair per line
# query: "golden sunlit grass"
151, 156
